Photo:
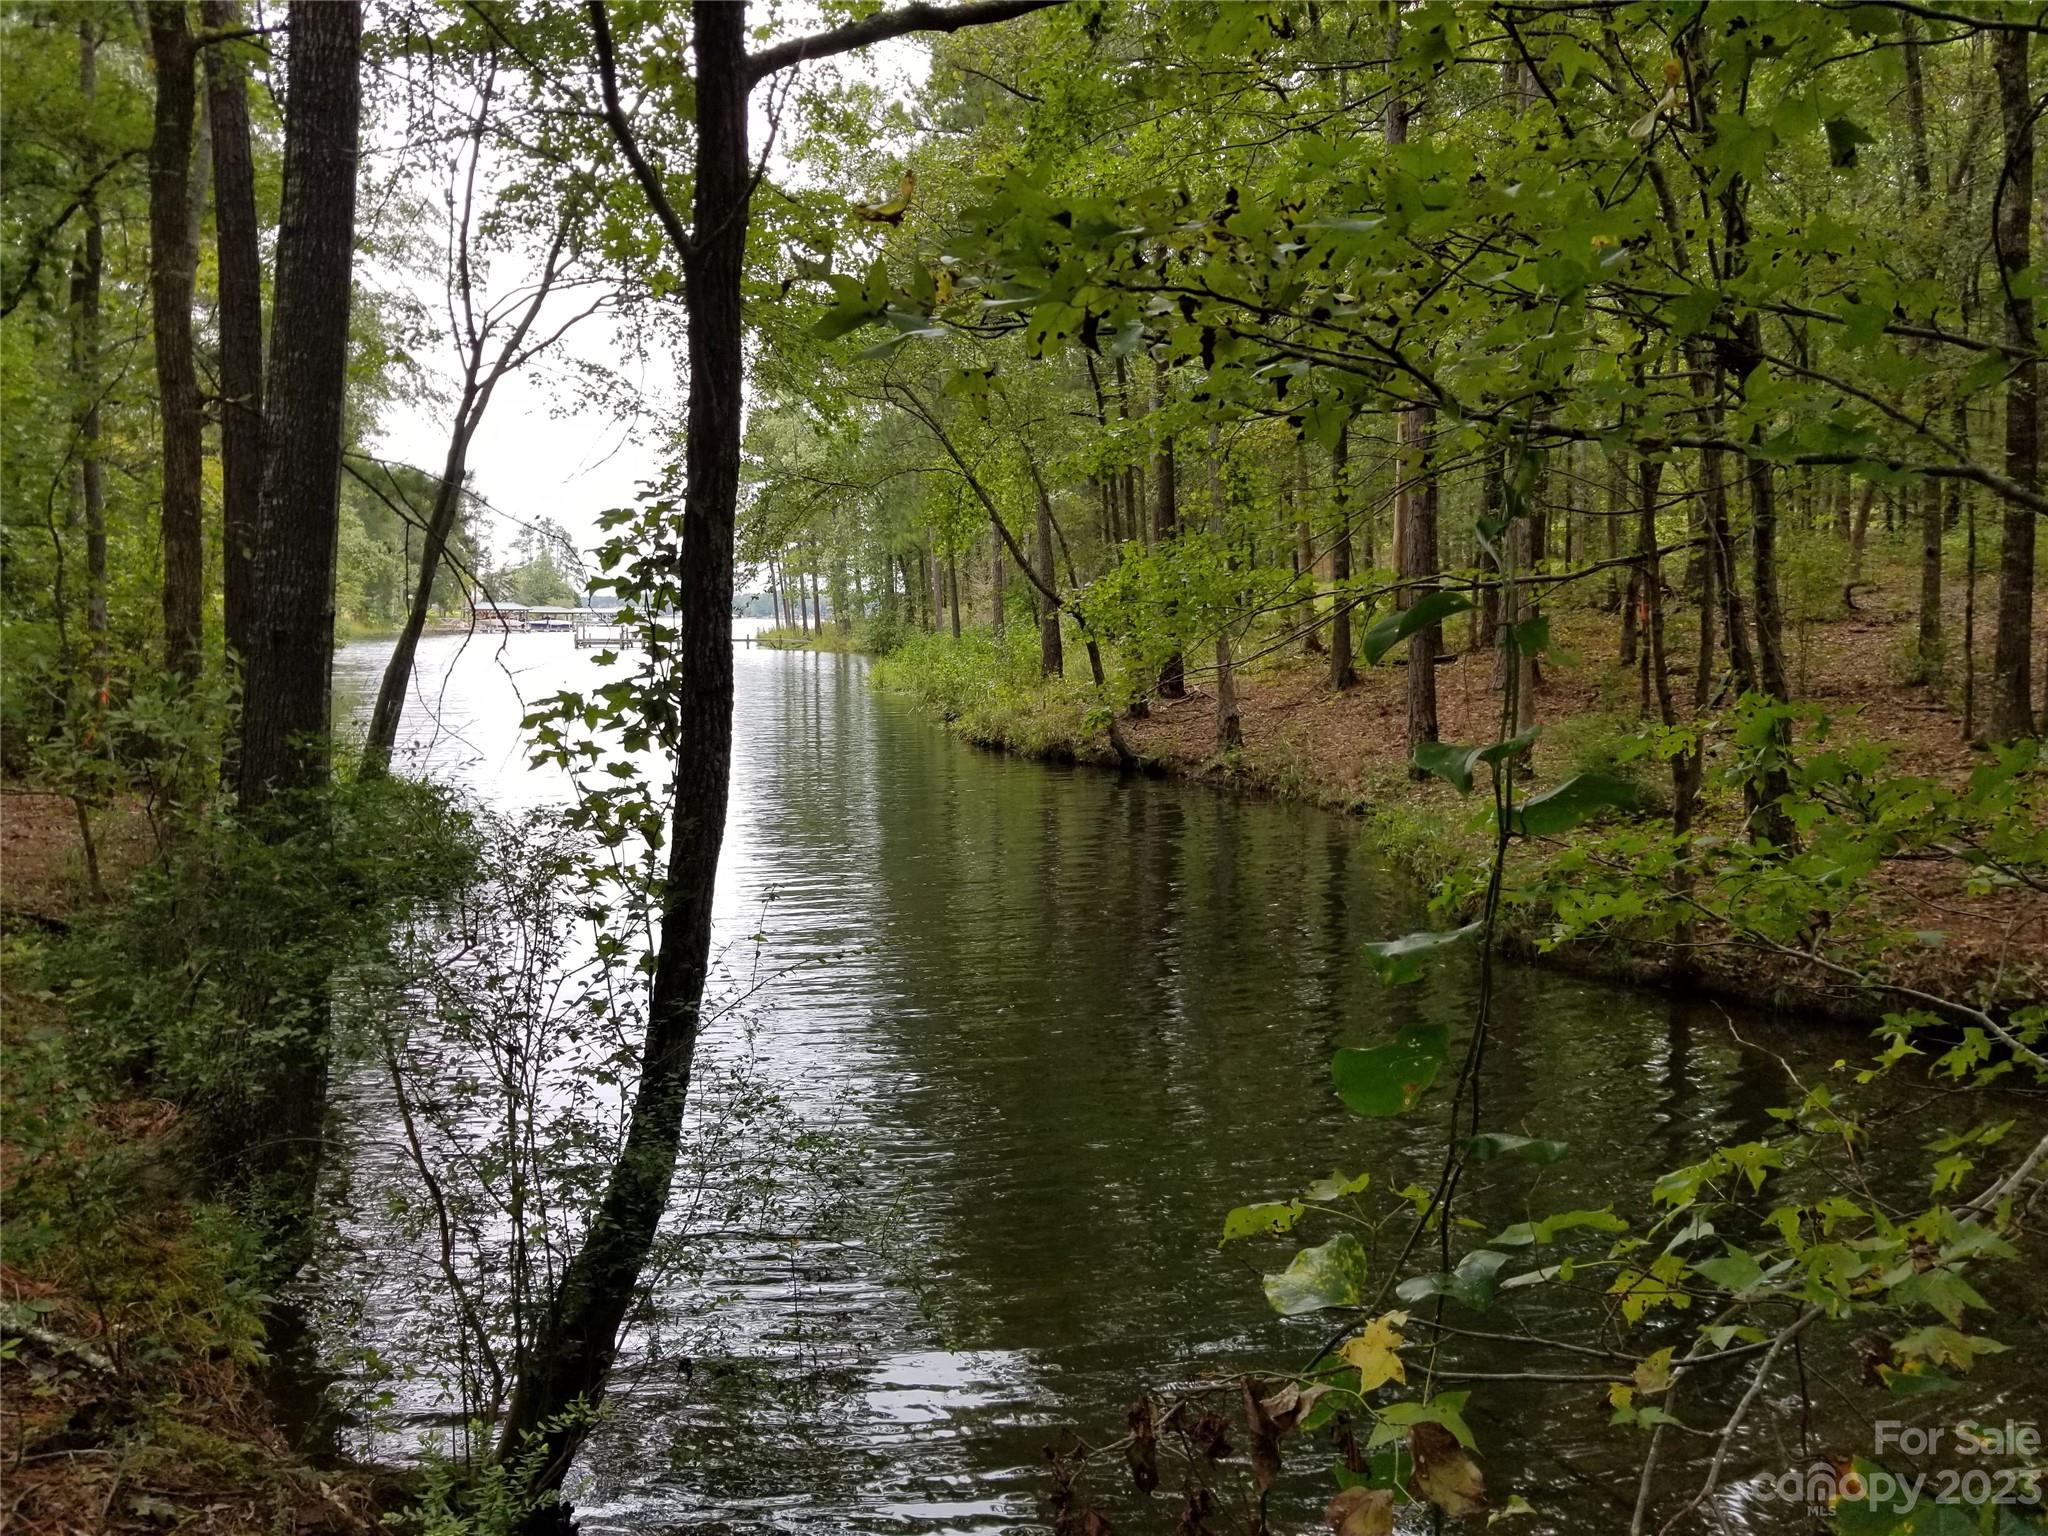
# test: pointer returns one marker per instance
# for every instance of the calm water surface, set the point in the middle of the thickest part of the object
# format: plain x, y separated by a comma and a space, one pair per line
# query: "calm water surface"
1069, 1020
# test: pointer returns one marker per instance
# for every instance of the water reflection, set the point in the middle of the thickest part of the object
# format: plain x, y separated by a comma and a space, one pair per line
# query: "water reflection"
1071, 1019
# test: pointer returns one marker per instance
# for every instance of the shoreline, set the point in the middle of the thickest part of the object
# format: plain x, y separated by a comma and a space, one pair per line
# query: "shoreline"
1341, 753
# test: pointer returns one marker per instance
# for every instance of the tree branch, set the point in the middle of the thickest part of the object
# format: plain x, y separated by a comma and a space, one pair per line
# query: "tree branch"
879, 28
622, 133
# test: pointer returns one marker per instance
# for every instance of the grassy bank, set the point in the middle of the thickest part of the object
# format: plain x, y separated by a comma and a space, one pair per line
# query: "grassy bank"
831, 639
137, 1275
1924, 923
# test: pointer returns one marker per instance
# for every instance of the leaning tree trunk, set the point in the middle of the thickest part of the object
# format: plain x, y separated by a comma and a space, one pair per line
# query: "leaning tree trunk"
241, 319
382, 738
173, 260
2010, 713
577, 1340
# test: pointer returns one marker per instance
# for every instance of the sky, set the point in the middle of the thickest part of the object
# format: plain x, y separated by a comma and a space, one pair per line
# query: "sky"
535, 456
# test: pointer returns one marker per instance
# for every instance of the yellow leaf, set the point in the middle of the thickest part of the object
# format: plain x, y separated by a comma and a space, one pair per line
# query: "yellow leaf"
1376, 1353
1654, 1374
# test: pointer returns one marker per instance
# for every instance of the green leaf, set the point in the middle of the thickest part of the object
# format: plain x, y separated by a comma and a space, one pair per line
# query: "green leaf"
843, 319
1471, 1284
1398, 962
1525, 1233
1336, 1187
1388, 1079
1272, 1216
1331, 1275
1449, 761
1391, 629
1735, 1271
1488, 1145
1582, 796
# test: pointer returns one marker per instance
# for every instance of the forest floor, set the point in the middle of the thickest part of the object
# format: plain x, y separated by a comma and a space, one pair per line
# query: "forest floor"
132, 1392
1346, 751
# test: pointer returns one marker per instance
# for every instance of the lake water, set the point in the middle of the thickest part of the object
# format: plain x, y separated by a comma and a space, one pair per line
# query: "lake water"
1069, 1020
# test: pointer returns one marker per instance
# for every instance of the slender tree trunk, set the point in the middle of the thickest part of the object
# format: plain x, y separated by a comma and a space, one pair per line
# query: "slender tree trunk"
173, 262
1770, 624
578, 1339
285, 710
1418, 563
1927, 649
1229, 718
2011, 712
818, 606
1165, 522
998, 573
1305, 552
1486, 622
1343, 659
1052, 661
1632, 599
87, 276
1415, 545
953, 589
241, 317
382, 737
1859, 532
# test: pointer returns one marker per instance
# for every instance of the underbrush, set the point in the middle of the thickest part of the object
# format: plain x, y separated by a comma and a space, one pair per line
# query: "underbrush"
139, 1258
989, 689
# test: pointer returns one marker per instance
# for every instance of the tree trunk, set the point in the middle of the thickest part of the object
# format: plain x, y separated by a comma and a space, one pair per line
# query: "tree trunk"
1343, 659
1632, 595
1486, 617
998, 573
1770, 624
1165, 520
1418, 563
578, 1339
2010, 713
1229, 718
285, 711
1927, 648
173, 260
87, 274
241, 317
953, 589
1305, 553
1052, 661
382, 737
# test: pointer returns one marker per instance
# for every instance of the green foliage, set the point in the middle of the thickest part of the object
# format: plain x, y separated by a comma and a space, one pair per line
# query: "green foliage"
216, 964
989, 689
